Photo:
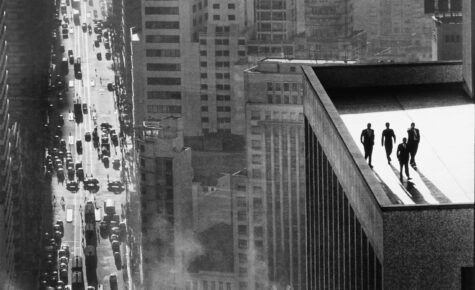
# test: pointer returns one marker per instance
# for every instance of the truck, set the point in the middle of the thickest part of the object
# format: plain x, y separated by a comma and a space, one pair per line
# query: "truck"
90, 233
77, 110
77, 4
64, 66
89, 212
109, 207
91, 259
76, 15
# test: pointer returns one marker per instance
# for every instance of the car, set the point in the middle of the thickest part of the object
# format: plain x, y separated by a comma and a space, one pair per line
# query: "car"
71, 30
69, 215
117, 260
115, 231
72, 186
96, 43
76, 263
103, 228
62, 143
97, 29
71, 140
78, 165
65, 31
105, 160
99, 37
71, 116
107, 45
84, 27
78, 75
84, 109
87, 136
64, 25
113, 281
115, 220
95, 13
61, 120
108, 56
60, 224
99, 56
110, 87
80, 174
63, 275
79, 146
116, 164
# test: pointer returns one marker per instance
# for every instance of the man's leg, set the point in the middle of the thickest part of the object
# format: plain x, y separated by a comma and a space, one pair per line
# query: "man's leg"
389, 150
415, 146
366, 152
400, 169
407, 169
370, 154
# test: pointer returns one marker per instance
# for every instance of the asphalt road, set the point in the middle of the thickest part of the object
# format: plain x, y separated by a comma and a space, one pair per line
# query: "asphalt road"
91, 90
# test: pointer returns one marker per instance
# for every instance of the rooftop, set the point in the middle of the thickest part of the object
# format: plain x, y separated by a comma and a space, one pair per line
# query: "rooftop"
445, 117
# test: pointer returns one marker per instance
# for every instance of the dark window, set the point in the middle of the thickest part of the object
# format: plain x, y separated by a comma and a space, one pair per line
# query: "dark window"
215, 6
216, 17
231, 6
163, 53
162, 38
204, 97
162, 24
163, 67
163, 95
161, 10
232, 17
163, 81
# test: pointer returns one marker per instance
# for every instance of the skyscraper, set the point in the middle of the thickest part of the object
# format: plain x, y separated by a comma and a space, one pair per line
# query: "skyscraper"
165, 186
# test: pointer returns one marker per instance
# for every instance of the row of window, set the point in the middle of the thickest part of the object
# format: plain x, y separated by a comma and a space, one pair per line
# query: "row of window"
277, 99
231, 17
218, 87
164, 81
162, 25
204, 97
162, 53
283, 86
230, 6
210, 285
271, 4
453, 38
279, 16
163, 109
162, 38
163, 67
277, 115
163, 95
219, 76
161, 11
220, 41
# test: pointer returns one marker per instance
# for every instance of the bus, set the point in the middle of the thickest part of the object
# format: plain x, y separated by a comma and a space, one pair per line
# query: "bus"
76, 15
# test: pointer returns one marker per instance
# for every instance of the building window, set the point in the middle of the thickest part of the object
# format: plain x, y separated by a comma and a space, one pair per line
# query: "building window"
163, 95
162, 38
215, 6
163, 67
255, 115
231, 17
216, 17
204, 75
142, 162
269, 87
231, 6
162, 53
242, 215
164, 81
242, 244
162, 24
203, 64
205, 119
241, 41
203, 53
161, 10
241, 202
144, 177
204, 109
204, 97
203, 41
204, 86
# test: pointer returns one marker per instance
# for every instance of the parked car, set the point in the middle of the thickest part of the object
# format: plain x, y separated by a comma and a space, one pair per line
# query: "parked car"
87, 136
79, 146
99, 56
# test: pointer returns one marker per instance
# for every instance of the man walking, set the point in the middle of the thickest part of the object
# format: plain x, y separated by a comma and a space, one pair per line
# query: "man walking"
387, 141
403, 157
413, 138
367, 139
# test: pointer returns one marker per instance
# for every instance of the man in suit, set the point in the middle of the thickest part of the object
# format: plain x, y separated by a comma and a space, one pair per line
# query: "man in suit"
367, 139
387, 141
403, 157
413, 138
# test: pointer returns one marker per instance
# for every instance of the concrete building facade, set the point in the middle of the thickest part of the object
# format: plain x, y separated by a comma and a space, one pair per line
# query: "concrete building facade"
447, 38
165, 187
362, 231
468, 45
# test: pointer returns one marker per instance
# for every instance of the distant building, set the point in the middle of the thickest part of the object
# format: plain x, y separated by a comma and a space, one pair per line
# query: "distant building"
366, 227
165, 186
212, 280
447, 38
468, 39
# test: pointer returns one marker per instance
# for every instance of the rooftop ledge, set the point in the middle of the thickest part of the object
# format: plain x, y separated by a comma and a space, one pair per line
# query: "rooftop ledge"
429, 94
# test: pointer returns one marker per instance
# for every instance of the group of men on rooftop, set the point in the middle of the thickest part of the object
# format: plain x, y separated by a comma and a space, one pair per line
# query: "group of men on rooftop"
406, 151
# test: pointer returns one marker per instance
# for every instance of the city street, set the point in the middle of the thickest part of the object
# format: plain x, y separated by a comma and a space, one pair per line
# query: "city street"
98, 106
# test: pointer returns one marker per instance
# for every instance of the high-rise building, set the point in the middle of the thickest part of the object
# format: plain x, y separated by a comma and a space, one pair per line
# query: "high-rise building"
468, 39
10, 177
167, 61
165, 186
373, 227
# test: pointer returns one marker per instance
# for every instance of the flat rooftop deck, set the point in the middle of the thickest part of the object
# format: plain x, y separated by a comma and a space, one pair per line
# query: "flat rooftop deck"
445, 117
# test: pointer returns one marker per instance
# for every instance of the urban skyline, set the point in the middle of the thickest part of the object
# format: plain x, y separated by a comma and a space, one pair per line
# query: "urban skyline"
212, 144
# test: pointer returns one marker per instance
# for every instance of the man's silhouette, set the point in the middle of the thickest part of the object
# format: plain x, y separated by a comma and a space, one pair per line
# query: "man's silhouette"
367, 139
387, 141
413, 138
403, 157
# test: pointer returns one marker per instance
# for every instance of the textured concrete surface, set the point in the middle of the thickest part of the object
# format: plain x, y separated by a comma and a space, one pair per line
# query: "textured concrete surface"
445, 117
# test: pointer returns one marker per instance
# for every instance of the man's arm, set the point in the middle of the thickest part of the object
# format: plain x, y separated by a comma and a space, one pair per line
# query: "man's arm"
362, 136
382, 139
394, 137
398, 152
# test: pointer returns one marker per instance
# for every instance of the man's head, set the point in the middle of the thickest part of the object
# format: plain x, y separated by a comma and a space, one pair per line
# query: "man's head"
387, 125
404, 140
413, 125
368, 126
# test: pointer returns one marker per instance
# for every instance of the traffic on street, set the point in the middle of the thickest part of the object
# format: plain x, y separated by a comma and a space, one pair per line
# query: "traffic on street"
84, 247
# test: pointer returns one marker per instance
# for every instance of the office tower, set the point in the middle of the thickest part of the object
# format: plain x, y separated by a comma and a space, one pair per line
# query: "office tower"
165, 186
278, 31
329, 29
168, 62
276, 191
374, 228
222, 59
404, 31
468, 39
10, 179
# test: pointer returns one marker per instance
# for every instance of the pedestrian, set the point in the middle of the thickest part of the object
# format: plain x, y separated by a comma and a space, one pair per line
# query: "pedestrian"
403, 157
387, 141
367, 139
413, 138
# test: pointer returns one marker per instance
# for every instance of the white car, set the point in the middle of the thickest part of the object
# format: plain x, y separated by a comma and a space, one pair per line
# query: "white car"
69, 215
71, 83
71, 116
98, 214
71, 140
93, 83
71, 30
88, 14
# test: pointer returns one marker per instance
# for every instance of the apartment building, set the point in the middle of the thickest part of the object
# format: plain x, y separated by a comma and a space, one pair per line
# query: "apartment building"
165, 187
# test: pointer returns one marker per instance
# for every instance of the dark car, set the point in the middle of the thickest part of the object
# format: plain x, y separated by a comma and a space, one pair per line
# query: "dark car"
99, 56
87, 136
99, 37
96, 43
84, 109
113, 282
61, 49
118, 260
76, 263
72, 186
107, 45
108, 56
84, 27
60, 120
79, 146
110, 87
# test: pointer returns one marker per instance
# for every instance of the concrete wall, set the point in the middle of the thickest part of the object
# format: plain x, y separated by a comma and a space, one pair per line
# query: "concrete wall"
389, 74
468, 39
353, 173
426, 248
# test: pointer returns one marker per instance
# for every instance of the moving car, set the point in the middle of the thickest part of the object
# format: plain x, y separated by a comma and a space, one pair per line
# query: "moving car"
87, 136
69, 215
110, 87
96, 43
84, 27
99, 56
113, 282
79, 146
108, 56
